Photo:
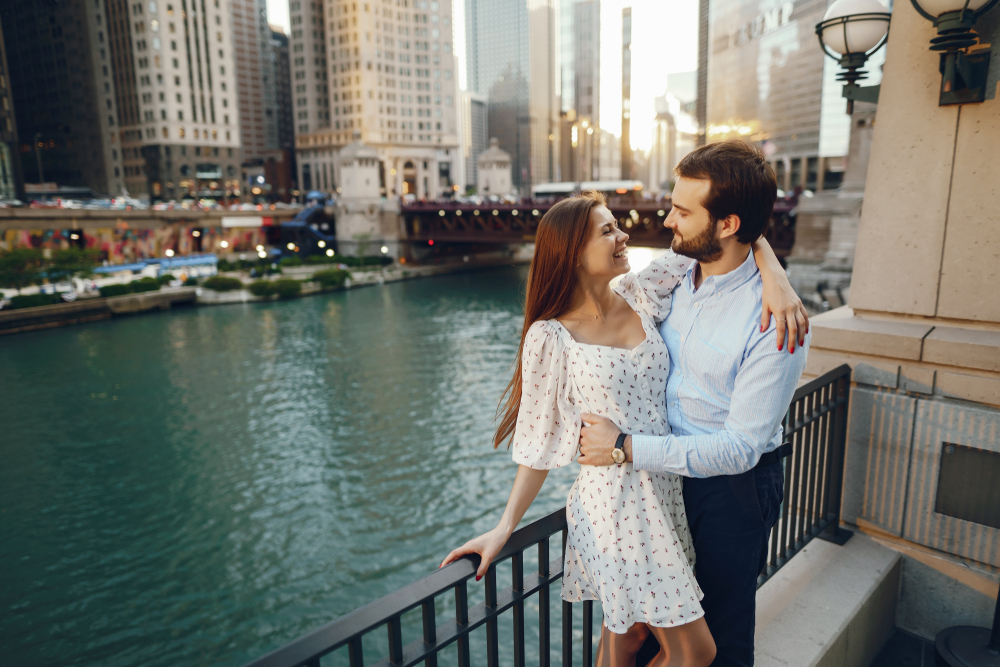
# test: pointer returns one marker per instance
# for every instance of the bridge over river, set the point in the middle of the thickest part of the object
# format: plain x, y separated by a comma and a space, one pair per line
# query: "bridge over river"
644, 221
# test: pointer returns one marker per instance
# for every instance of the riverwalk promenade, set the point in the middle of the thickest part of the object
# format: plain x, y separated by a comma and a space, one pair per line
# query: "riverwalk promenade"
94, 309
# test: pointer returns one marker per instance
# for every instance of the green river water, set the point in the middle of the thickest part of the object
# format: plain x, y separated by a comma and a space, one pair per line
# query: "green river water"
201, 486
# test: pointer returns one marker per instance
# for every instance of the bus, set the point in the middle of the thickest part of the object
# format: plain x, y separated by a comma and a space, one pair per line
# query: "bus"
610, 189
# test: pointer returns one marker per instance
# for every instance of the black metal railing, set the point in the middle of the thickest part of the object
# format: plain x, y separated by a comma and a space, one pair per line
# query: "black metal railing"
815, 431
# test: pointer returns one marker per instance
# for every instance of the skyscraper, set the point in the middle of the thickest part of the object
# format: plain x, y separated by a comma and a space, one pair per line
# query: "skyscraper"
255, 78
66, 107
136, 96
473, 138
512, 59
580, 46
388, 72
283, 89
628, 171
11, 183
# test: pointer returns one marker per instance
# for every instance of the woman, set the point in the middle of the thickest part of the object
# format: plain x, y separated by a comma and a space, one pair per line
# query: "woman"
586, 347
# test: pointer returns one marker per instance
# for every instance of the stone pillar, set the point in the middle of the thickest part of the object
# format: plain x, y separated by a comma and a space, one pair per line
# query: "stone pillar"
922, 329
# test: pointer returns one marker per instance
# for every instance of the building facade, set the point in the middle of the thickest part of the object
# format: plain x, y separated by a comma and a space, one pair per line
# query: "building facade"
768, 81
512, 59
11, 181
675, 134
389, 73
255, 78
580, 47
472, 138
128, 97
283, 89
61, 65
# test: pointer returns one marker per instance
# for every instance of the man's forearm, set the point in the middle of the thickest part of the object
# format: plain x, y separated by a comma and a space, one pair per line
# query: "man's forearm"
693, 455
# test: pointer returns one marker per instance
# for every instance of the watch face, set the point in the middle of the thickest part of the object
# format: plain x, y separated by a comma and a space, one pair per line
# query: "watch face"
618, 456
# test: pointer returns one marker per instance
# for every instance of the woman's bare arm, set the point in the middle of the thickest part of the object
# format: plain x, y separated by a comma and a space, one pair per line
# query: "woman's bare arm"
779, 299
526, 486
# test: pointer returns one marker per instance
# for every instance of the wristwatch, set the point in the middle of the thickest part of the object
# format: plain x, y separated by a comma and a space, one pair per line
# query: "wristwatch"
618, 453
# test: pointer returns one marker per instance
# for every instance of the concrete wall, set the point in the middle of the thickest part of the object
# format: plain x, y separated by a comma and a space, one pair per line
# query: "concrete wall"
928, 243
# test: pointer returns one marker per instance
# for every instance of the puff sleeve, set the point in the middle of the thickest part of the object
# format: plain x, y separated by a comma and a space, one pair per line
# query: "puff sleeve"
547, 432
653, 287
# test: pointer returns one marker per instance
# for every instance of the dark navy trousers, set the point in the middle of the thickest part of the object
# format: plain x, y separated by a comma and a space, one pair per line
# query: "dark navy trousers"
730, 518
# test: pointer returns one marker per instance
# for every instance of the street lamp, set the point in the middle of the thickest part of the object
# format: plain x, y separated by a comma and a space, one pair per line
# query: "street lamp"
850, 32
963, 75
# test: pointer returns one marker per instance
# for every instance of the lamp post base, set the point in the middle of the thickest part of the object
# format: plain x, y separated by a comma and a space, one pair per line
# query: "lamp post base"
965, 646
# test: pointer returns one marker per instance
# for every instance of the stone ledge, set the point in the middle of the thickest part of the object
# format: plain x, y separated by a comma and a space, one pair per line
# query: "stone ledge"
829, 606
840, 329
965, 348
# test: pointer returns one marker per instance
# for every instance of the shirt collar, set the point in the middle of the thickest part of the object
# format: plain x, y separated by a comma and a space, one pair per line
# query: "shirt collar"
726, 282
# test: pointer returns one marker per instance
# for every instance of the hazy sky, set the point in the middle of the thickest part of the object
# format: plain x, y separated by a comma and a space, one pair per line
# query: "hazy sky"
664, 41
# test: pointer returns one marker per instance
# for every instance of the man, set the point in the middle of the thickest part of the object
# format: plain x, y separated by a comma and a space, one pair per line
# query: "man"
729, 387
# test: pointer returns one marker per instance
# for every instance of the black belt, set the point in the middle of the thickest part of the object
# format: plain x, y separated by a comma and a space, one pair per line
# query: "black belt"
776, 455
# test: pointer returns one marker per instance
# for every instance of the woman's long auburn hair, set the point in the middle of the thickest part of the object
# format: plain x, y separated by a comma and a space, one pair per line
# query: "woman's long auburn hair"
559, 242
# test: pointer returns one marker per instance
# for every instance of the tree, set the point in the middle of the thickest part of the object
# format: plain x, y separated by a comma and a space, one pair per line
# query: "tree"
20, 267
68, 262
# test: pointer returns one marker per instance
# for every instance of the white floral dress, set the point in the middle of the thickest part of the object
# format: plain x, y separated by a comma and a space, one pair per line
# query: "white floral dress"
629, 546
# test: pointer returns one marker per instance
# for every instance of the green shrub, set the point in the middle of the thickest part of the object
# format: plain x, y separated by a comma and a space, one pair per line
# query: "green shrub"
223, 284
286, 288
144, 285
115, 290
321, 259
262, 288
291, 261
191, 282
166, 278
32, 300
381, 260
331, 278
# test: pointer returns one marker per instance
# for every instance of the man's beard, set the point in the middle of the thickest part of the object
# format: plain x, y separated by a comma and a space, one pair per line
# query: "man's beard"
704, 247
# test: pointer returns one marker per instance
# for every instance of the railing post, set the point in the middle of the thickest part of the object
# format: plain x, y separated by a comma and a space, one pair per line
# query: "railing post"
462, 619
543, 604
395, 627
355, 654
588, 633
492, 636
430, 630
834, 533
517, 583
567, 616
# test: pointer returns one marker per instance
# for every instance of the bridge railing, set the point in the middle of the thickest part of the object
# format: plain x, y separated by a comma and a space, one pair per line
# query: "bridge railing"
815, 433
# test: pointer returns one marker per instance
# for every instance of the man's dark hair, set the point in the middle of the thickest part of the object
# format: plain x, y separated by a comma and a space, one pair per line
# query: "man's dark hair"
742, 184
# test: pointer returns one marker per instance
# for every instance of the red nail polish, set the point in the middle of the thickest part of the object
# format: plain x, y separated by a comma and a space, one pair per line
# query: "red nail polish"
780, 345
478, 578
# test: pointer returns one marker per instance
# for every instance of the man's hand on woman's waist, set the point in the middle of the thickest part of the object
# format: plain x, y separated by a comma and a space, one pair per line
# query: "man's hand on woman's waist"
597, 440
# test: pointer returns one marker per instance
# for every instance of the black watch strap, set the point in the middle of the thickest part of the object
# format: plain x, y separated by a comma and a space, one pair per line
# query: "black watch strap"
620, 442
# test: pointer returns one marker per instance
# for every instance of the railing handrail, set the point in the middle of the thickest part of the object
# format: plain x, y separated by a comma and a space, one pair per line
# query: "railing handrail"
339, 632
821, 381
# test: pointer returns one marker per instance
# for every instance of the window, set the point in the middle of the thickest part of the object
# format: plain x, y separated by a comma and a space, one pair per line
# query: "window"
180, 132
180, 116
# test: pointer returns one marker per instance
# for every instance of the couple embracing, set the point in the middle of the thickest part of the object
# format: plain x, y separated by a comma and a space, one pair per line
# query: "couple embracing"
669, 391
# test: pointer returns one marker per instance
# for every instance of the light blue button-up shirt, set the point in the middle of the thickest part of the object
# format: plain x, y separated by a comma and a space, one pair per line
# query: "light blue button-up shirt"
729, 386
